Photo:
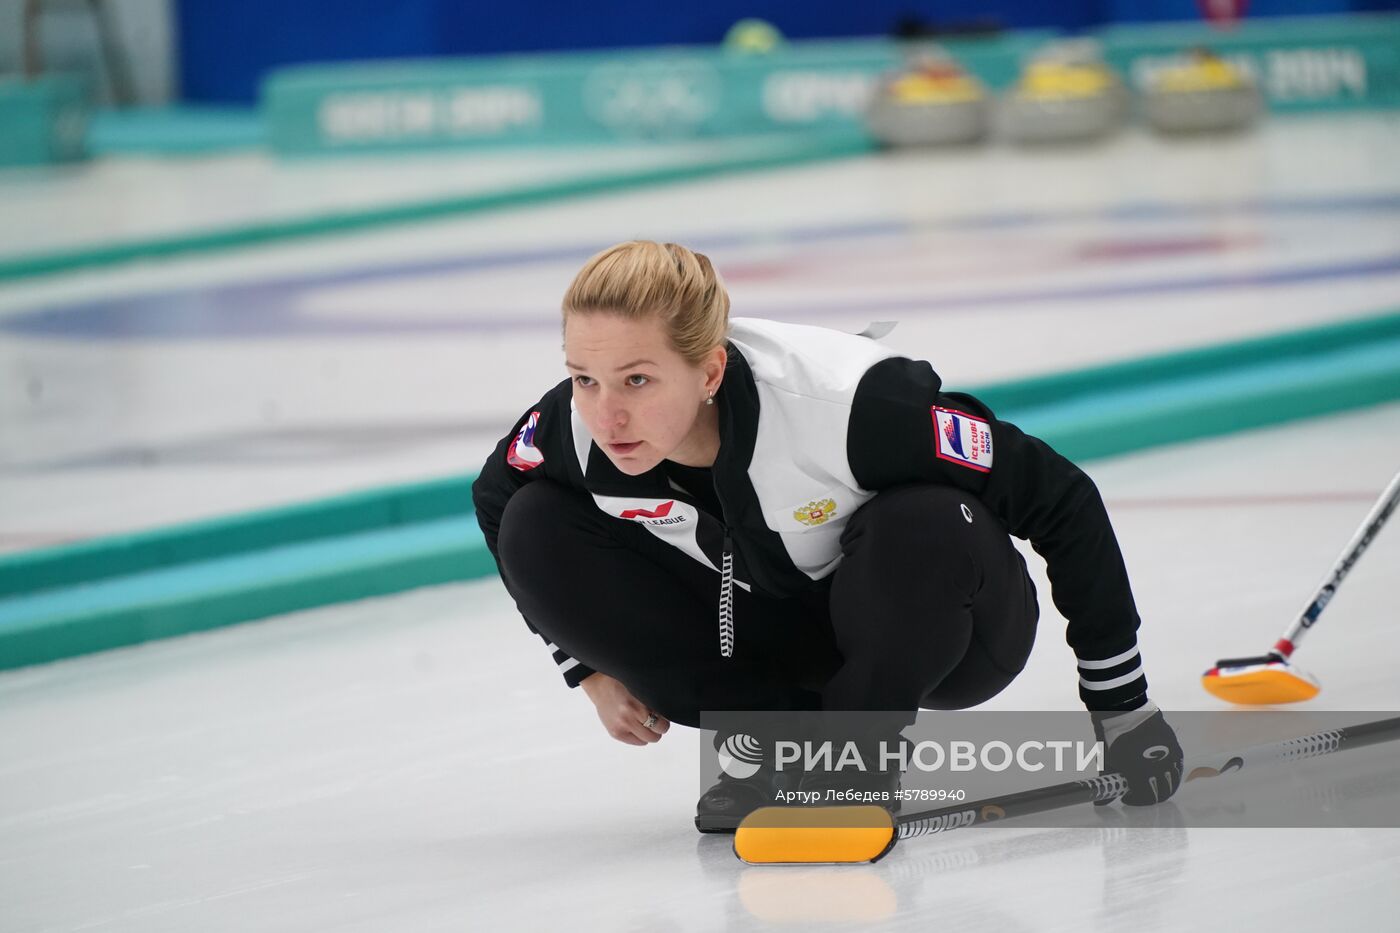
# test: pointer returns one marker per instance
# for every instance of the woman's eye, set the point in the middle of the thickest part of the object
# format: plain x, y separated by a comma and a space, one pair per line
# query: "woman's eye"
635, 380
583, 381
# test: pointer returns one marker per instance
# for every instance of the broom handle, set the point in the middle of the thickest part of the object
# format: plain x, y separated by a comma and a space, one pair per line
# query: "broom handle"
1112, 786
1370, 527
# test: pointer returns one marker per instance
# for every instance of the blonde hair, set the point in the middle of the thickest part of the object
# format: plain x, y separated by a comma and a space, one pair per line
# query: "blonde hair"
642, 278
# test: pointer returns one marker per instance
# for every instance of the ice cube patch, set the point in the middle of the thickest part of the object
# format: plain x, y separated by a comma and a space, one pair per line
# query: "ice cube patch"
963, 439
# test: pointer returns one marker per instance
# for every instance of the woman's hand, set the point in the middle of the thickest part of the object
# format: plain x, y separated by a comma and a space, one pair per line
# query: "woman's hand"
623, 715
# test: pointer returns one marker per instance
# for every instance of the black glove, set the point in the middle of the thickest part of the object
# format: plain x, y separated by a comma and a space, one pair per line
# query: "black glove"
1142, 747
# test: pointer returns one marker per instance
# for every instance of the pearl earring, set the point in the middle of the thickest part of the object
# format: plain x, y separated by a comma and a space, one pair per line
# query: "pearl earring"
711, 399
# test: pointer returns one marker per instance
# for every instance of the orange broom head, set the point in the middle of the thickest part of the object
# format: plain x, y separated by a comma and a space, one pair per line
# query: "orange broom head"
807, 835
1260, 684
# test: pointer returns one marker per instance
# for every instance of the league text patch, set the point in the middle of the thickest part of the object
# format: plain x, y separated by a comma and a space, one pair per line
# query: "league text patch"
523, 454
660, 515
963, 439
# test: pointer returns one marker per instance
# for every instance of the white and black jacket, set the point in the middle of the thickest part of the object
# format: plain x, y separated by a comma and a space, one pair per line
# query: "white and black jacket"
813, 423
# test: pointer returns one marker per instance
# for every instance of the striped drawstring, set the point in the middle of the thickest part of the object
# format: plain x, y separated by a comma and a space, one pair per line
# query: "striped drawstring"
726, 602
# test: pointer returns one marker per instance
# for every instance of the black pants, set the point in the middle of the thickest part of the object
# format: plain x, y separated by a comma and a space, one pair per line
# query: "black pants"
925, 609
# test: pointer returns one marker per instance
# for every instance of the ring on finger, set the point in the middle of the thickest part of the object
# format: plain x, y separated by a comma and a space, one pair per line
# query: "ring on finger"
650, 721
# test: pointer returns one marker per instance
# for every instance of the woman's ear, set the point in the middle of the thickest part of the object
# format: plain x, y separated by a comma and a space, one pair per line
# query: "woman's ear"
713, 367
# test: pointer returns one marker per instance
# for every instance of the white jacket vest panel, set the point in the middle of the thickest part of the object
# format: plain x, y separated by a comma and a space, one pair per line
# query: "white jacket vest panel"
806, 379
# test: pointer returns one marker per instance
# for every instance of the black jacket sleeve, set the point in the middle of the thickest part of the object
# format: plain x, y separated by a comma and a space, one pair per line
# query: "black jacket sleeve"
509, 468
1040, 496
496, 483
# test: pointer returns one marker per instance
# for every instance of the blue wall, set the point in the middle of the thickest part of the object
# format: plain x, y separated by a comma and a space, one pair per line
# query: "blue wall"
226, 47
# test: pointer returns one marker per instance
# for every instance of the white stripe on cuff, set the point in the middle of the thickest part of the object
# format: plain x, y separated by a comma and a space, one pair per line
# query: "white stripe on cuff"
1127, 678
1114, 661
567, 665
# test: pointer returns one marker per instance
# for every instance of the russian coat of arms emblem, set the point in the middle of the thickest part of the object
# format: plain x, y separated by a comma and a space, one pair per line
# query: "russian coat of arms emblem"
815, 512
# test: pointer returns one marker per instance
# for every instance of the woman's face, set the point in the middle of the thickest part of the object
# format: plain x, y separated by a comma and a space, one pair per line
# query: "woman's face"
640, 398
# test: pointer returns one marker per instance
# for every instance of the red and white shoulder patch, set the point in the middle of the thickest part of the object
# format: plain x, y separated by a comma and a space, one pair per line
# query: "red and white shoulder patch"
963, 439
522, 453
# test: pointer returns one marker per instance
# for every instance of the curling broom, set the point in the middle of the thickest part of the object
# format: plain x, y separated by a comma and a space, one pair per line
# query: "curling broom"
1271, 678
838, 834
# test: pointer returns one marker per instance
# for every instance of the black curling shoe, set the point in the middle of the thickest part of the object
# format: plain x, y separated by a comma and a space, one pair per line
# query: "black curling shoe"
721, 808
